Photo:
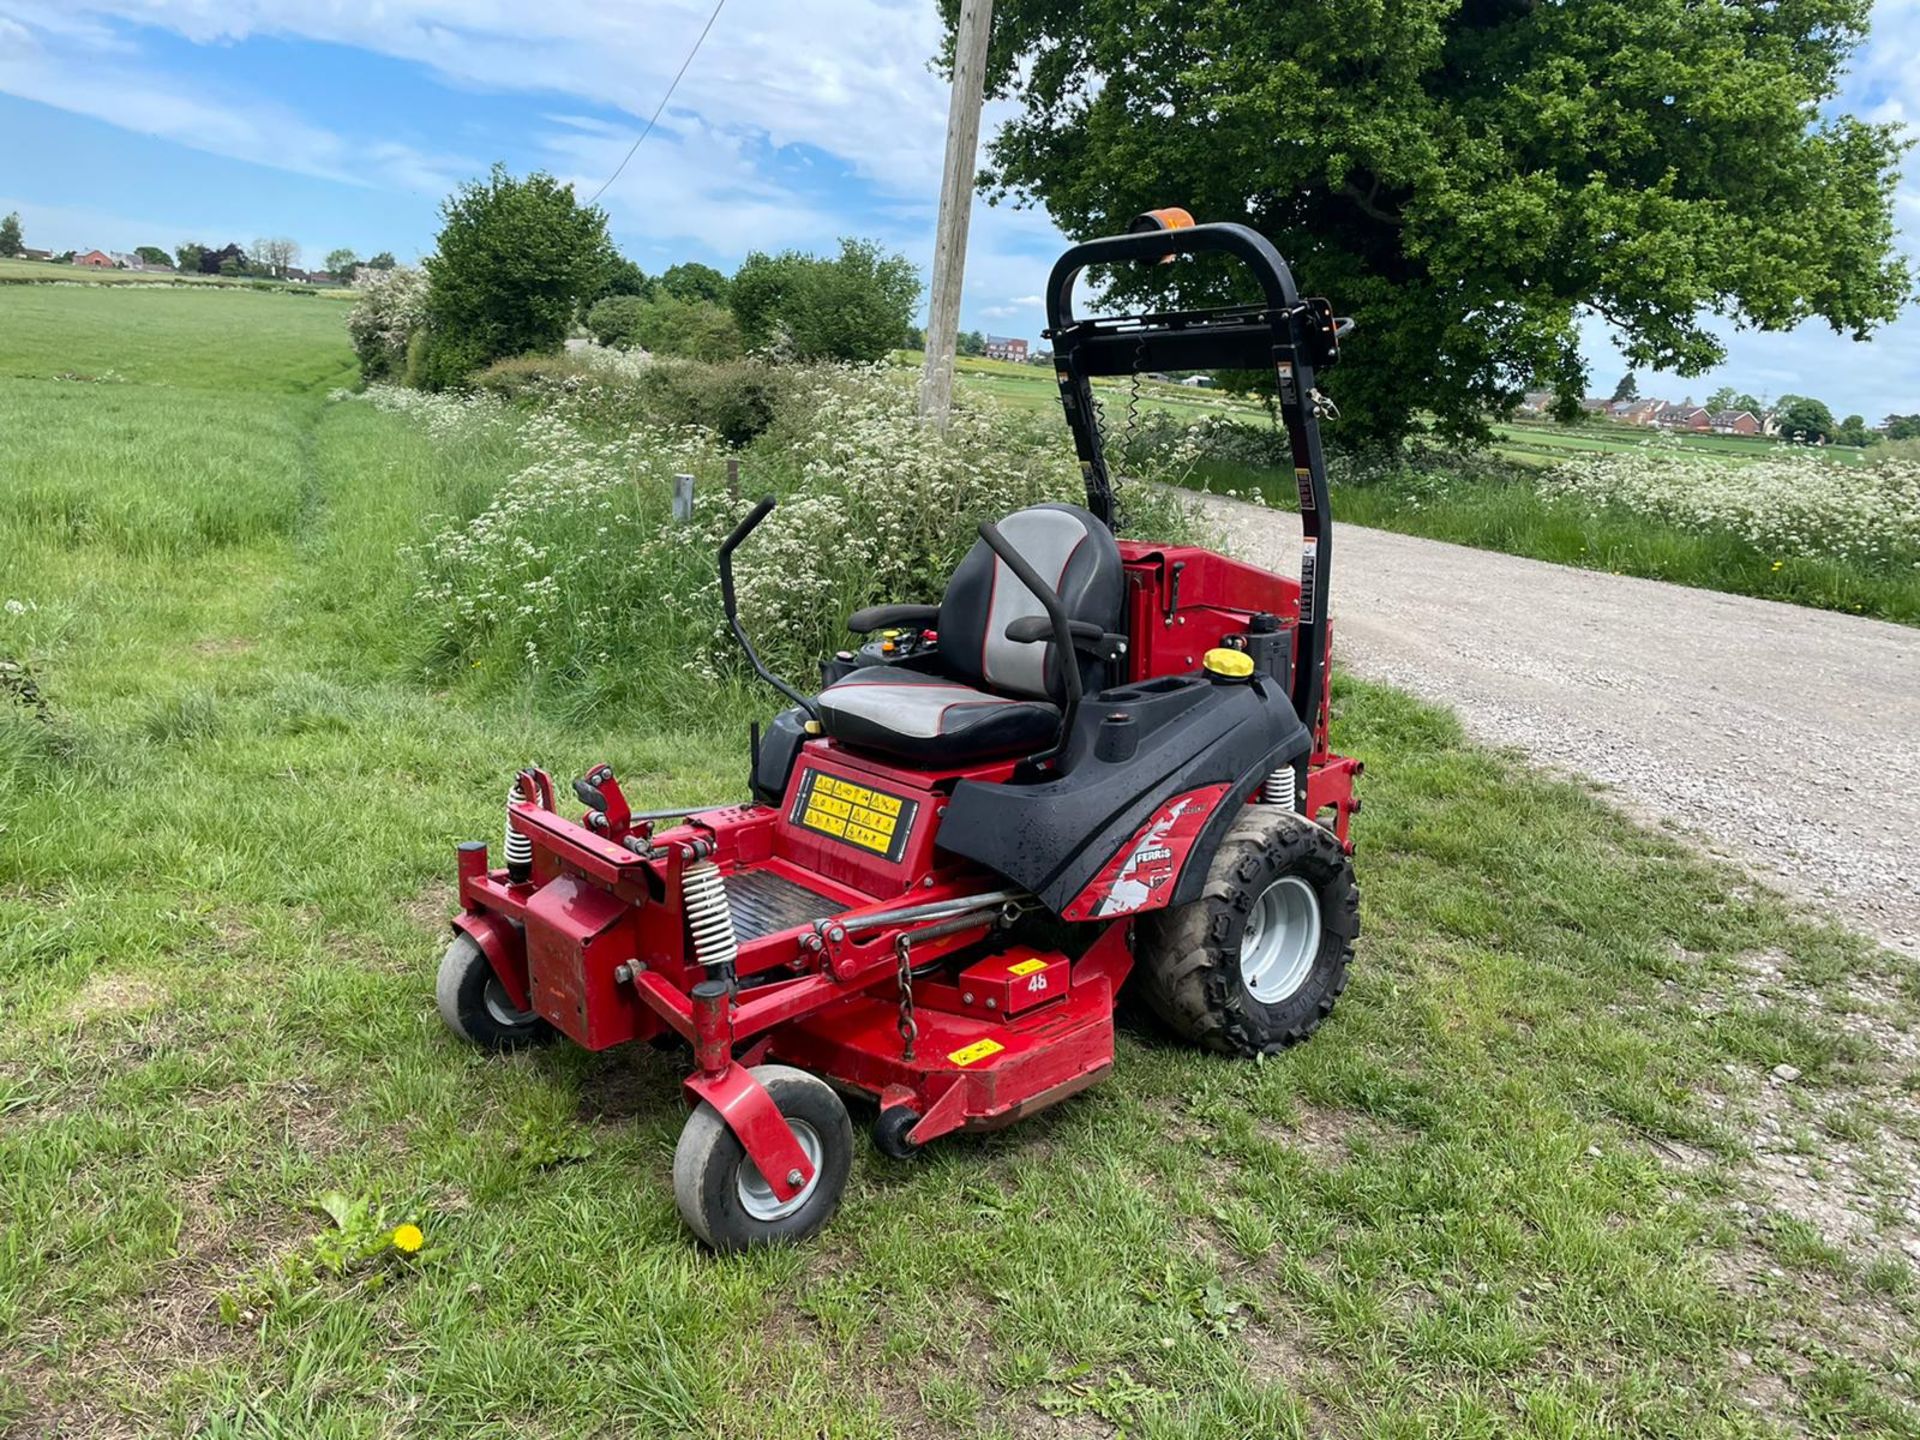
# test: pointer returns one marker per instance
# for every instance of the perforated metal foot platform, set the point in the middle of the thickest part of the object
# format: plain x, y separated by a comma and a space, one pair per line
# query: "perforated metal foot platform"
764, 903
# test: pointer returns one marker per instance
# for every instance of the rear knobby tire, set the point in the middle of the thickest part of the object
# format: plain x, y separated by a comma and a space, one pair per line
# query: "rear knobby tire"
1276, 873
722, 1195
475, 1006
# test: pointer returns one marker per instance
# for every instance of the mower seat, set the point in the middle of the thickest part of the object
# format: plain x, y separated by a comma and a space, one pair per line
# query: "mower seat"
991, 697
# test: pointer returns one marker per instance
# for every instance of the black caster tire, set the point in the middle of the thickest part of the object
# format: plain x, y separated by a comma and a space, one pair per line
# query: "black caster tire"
1255, 964
475, 1006
723, 1197
890, 1133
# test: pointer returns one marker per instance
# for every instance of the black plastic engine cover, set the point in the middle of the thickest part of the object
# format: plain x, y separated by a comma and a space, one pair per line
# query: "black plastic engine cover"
780, 746
1052, 837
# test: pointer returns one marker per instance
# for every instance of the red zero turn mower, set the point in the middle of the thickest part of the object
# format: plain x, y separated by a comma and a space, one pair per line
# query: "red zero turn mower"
1093, 759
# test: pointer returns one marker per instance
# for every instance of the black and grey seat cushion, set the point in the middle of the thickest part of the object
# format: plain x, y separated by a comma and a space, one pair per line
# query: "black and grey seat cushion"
995, 696
930, 719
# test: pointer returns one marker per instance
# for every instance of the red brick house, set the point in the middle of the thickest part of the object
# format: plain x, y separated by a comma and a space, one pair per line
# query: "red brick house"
1683, 417
1735, 422
94, 259
999, 347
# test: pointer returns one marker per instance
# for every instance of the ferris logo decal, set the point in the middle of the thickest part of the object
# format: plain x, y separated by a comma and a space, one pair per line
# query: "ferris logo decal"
1141, 876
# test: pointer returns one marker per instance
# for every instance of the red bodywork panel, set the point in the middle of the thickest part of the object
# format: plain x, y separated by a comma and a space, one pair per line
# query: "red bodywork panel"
598, 940
1142, 875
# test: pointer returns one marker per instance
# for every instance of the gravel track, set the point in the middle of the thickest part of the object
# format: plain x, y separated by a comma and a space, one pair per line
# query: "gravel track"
1787, 738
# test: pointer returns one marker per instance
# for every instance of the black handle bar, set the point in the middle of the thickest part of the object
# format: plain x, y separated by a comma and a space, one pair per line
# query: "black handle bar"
1247, 244
1063, 650
727, 602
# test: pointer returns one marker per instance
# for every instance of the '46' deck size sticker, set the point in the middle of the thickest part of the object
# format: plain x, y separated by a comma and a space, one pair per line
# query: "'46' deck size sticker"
868, 819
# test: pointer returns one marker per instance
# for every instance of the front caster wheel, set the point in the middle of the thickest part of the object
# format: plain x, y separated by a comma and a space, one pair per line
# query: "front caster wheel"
722, 1195
475, 1006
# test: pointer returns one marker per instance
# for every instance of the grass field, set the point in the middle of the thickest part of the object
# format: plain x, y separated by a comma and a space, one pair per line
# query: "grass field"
1527, 1181
45, 272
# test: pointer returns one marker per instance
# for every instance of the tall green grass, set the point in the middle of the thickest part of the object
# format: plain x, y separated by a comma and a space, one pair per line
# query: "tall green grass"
1495, 1196
1490, 508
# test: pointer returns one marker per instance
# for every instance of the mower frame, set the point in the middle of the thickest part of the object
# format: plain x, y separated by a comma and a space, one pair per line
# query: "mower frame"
883, 955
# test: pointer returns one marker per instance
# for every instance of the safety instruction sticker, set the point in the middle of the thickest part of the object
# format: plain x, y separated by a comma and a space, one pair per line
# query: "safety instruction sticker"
859, 815
1027, 967
979, 1050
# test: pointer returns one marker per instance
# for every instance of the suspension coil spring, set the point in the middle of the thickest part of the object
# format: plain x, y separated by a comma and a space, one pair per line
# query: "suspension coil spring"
1278, 788
703, 891
519, 849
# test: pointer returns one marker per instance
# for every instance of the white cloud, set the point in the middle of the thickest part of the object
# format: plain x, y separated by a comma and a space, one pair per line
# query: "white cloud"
87, 79
848, 79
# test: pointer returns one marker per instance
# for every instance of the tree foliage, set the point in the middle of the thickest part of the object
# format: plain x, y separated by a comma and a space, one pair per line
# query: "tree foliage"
342, 261
1627, 390
857, 305
1466, 176
694, 281
666, 325
621, 277
383, 261
277, 253
391, 310
10, 242
1853, 431
1801, 417
515, 258
153, 254
188, 256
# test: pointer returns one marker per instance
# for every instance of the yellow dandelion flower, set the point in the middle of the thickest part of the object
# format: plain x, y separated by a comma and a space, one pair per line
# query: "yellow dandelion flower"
407, 1239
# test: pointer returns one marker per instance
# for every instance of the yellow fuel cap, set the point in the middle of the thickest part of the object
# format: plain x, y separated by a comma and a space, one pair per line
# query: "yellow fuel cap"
1229, 664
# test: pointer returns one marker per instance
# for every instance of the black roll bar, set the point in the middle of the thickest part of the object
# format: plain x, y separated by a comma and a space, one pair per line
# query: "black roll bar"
1064, 654
1291, 335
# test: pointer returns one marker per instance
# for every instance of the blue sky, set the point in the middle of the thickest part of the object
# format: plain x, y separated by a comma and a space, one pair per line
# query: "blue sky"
126, 122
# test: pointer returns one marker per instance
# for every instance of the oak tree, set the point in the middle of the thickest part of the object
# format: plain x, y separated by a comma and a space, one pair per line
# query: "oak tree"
1468, 177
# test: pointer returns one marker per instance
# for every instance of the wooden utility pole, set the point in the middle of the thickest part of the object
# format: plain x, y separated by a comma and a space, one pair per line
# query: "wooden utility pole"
956, 206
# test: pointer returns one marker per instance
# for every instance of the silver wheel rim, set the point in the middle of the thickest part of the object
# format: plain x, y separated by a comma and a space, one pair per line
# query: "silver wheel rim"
1280, 940
494, 997
756, 1195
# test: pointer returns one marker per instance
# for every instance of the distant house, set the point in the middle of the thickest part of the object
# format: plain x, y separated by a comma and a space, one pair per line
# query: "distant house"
1683, 417
36, 255
1640, 412
93, 259
1000, 347
1536, 402
1198, 382
1734, 422
137, 261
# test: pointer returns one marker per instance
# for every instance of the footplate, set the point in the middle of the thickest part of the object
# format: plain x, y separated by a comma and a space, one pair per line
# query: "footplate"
764, 903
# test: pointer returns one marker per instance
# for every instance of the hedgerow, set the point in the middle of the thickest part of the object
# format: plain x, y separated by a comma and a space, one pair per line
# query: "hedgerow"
574, 573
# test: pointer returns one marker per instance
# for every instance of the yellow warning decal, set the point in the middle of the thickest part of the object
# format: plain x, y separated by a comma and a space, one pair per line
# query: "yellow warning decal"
857, 814
1027, 967
979, 1050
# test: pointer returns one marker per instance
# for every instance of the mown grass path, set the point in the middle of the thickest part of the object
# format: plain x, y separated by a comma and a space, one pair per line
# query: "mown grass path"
1528, 1181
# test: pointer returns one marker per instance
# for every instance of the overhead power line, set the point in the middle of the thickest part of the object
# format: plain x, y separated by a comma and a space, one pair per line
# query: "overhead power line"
659, 109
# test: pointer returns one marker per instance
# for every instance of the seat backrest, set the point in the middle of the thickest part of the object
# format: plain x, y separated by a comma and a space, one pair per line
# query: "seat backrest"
1066, 546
